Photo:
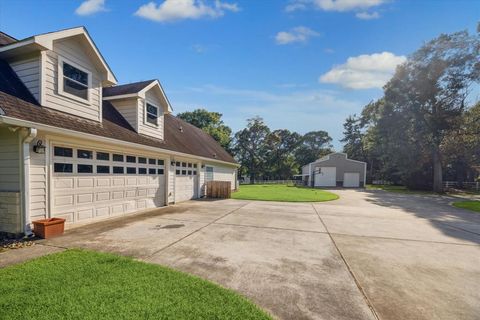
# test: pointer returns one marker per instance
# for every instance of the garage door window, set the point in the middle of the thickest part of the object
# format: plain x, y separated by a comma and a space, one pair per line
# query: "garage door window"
103, 156
142, 170
63, 167
131, 170
84, 168
142, 160
63, 152
160, 171
131, 159
118, 170
103, 169
84, 154
118, 157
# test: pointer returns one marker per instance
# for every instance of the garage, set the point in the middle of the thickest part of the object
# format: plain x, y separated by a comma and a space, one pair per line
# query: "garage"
186, 181
335, 170
326, 177
351, 180
92, 184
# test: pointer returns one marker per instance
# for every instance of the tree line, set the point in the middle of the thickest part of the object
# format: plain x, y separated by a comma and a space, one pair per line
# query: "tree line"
263, 154
423, 130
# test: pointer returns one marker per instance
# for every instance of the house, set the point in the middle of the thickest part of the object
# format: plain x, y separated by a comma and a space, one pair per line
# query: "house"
335, 170
75, 144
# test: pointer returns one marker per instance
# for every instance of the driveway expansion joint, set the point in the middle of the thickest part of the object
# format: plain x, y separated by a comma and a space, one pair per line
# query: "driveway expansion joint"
195, 231
367, 301
263, 227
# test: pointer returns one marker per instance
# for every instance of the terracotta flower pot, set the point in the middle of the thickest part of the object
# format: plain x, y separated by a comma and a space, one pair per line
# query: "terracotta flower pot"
48, 228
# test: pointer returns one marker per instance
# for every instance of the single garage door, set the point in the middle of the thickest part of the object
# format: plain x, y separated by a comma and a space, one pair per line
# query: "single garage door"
351, 180
92, 184
186, 181
326, 177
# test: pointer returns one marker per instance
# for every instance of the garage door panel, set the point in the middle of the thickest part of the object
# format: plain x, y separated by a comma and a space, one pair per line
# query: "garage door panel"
118, 182
103, 182
116, 209
102, 212
85, 198
63, 200
85, 182
103, 196
85, 214
63, 183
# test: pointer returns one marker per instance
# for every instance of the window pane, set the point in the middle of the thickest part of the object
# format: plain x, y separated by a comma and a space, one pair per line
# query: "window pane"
103, 156
152, 119
63, 152
160, 171
177, 172
131, 159
118, 157
63, 167
194, 173
73, 73
160, 162
184, 172
103, 169
84, 154
152, 171
118, 170
189, 165
151, 161
177, 164
76, 89
189, 172
209, 169
184, 164
194, 165
84, 168
131, 170
142, 170
142, 160
152, 109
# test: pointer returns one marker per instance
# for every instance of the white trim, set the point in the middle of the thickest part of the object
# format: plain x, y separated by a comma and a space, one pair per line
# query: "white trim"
122, 96
164, 96
31, 134
60, 79
23, 123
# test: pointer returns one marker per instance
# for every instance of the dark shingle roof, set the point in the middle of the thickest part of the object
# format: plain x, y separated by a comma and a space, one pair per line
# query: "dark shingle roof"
126, 88
6, 39
17, 102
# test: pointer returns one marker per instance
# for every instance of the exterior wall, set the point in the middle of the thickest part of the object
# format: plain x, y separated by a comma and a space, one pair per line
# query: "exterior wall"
343, 165
143, 126
128, 108
72, 51
9, 160
10, 217
220, 173
38, 181
28, 70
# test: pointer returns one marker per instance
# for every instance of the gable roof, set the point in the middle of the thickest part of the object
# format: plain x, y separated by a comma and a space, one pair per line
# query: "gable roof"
45, 41
17, 102
128, 88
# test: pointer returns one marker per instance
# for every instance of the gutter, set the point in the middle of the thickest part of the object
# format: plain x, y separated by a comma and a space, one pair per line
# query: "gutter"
39, 126
31, 134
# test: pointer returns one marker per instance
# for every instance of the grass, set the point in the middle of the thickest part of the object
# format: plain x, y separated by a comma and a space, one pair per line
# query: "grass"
469, 205
78, 284
281, 192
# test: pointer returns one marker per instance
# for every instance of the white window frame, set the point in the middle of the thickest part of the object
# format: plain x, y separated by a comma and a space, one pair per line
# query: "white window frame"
213, 173
145, 121
61, 61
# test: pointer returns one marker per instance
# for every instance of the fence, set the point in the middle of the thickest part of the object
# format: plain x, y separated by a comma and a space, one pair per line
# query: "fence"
219, 189
290, 182
474, 186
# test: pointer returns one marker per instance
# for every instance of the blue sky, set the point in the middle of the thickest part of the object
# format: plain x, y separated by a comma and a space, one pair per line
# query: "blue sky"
300, 64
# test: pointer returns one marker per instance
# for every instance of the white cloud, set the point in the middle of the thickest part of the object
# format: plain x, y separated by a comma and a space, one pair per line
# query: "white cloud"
367, 15
364, 71
334, 5
89, 7
297, 34
171, 10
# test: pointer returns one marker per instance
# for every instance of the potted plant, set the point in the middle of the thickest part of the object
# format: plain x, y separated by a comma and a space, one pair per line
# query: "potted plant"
48, 228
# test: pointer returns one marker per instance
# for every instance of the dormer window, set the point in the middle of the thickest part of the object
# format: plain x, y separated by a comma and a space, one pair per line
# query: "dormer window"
74, 81
151, 114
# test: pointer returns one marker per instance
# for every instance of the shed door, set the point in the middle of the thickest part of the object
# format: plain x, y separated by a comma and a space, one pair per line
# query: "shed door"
90, 184
351, 180
326, 177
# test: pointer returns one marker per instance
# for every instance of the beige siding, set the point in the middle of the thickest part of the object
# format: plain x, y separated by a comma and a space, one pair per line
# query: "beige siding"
220, 173
72, 51
38, 182
28, 70
128, 108
10, 218
144, 127
9, 160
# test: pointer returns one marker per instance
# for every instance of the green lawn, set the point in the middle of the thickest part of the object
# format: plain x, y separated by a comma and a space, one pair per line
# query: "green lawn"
77, 284
281, 192
469, 205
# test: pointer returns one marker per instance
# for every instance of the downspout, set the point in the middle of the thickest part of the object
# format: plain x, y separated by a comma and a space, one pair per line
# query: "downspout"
31, 134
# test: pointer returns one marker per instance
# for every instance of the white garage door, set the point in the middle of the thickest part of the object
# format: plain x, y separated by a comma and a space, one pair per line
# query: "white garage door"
351, 180
326, 177
186, 181
93, 184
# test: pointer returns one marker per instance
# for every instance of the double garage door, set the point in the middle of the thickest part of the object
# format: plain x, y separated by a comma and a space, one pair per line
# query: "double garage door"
92, 184
326, 177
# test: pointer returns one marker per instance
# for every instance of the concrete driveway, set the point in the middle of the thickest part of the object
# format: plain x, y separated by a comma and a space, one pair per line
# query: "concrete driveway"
367, 255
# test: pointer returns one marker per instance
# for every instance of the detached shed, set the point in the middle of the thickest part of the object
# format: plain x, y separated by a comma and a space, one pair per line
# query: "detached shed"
335, 170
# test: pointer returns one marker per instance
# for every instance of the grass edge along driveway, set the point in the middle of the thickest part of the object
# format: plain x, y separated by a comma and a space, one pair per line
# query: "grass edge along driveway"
468, 205
81, 284
282, 192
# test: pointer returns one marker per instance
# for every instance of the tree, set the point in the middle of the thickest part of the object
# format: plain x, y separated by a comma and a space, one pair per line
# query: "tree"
280, 156
211, 123
313, 145
353, 138
425, 99
249, 147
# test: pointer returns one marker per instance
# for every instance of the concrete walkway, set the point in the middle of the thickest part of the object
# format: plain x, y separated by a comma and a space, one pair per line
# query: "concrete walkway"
367, 255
